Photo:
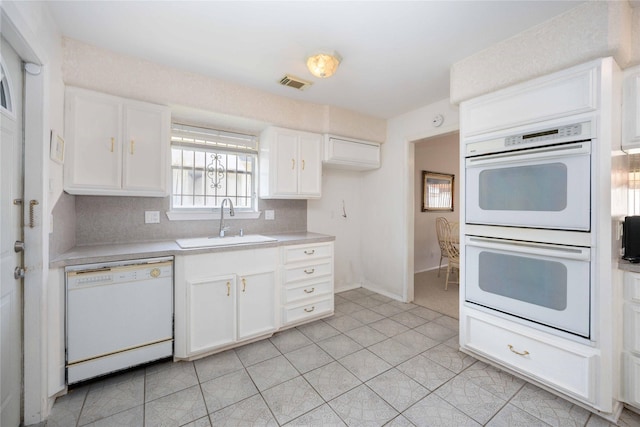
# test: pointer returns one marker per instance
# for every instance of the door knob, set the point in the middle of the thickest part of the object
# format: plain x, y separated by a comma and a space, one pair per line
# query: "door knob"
18, 246
18, 273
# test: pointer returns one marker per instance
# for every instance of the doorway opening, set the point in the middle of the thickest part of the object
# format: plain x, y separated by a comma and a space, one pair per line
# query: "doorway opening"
439, 154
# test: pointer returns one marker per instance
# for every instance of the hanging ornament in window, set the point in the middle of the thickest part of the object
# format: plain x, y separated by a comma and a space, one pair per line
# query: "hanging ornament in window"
216, 171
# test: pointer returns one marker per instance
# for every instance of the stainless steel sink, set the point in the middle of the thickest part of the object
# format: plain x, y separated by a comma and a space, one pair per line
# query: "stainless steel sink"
208, 242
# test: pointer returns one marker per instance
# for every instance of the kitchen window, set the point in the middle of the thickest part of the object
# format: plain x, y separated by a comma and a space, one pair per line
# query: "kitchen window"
208, 166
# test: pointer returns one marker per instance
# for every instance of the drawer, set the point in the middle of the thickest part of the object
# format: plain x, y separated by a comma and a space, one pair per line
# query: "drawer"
298, 292
565, 368
307, 271
307, 252
631, 379
632, 327
632, 286
303, 312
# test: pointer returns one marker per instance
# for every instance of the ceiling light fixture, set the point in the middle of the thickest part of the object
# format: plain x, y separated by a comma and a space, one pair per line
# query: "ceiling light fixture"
323, 65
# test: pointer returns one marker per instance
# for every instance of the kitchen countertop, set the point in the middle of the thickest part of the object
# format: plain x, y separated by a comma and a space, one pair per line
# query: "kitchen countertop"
90, 254
625, 265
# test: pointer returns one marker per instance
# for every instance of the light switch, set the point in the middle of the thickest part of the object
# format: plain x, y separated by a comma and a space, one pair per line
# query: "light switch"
152, 217
269, 215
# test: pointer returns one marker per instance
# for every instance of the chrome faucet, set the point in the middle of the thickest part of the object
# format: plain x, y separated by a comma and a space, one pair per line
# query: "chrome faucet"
231, 213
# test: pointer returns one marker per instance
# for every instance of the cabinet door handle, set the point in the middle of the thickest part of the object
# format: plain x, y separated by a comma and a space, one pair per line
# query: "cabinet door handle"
519, 353
293, 164
132, 146
309, 310
309, 292
309, 271
228, 288
244, 284
311, 252
113, 140
302, 164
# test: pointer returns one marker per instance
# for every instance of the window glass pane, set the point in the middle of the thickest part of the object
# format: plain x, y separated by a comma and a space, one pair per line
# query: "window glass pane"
203, 177
534, 281
524, 188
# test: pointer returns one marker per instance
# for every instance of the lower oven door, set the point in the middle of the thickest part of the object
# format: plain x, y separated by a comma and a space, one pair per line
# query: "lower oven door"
545, 187
545, 284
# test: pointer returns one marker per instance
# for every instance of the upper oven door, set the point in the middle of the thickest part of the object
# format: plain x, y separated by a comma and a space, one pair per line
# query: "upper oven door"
545, 187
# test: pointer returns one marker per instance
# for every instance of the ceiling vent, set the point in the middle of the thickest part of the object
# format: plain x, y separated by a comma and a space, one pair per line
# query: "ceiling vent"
294, 82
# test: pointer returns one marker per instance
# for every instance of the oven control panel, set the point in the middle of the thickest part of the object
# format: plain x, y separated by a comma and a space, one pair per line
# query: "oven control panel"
538, 138
545, 135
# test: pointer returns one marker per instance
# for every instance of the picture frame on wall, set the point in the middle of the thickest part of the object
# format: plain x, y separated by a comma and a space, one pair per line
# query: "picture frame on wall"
437, 191
57, 147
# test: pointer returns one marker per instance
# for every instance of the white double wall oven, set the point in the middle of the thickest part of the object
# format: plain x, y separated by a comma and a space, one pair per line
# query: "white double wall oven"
527, 243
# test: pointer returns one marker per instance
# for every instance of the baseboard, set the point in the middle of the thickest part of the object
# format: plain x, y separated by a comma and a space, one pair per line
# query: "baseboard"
347, 287
444, 267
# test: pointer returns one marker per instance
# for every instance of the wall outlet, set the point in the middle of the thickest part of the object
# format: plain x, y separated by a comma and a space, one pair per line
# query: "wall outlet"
269, 215
152, 217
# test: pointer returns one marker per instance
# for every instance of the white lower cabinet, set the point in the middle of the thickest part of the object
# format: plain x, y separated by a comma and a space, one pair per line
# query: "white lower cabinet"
212, 313
307, 282
566, 366
631, 340
224, 298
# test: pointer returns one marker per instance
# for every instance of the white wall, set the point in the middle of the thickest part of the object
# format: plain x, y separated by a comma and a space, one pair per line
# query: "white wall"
388, 197
438, 154
591, 30
340, 189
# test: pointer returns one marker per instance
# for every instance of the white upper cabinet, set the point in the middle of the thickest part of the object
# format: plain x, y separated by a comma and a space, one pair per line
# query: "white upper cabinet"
290, 164
115, 146
350, 154
631, 110
557, 95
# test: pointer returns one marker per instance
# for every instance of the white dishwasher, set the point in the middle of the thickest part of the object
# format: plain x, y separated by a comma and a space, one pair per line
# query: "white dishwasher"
118, 315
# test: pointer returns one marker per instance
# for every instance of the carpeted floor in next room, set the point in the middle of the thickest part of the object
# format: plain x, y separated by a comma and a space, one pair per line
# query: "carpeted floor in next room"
429, 292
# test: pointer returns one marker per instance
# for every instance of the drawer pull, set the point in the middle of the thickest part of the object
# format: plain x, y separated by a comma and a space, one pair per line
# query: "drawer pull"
309, 292
519, 353
309, 271
244, 284
311, 252
309, 310
228, 288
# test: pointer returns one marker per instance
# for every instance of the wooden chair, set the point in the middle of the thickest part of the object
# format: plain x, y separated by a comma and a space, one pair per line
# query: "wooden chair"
451, 242
442, 226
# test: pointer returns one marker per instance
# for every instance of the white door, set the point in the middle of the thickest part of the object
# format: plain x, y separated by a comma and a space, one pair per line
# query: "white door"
310, 165
11, 188
212, 313
145, 148
286, 167
256, 304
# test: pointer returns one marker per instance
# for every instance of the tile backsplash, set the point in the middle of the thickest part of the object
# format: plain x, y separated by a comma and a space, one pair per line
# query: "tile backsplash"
107, 219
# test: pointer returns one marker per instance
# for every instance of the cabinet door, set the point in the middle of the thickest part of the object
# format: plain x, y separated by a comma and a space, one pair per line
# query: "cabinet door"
146, 142
256, 304
310, 165
211, 313
94, 129
286, 164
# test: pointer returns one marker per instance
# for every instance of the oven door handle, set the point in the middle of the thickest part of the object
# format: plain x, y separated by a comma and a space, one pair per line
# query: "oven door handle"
553, 152
566, 252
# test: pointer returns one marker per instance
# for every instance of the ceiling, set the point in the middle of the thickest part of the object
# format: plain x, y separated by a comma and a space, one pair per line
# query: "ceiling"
396, 54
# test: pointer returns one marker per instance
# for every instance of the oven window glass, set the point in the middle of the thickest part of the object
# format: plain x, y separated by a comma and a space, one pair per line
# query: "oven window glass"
541, 187
531, 280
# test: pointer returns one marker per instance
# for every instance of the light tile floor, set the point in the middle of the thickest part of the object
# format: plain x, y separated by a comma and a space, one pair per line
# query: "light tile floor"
375, 362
